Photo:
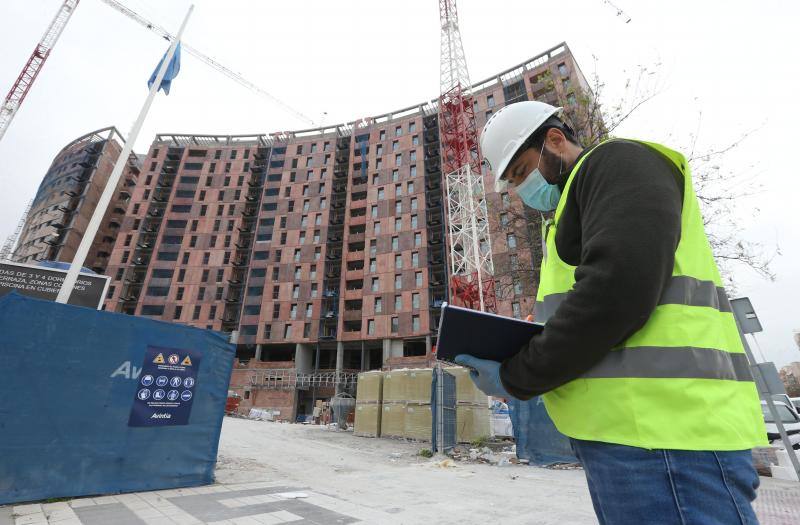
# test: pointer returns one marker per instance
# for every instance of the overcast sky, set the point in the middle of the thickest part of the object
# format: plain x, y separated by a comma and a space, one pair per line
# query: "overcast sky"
736, 62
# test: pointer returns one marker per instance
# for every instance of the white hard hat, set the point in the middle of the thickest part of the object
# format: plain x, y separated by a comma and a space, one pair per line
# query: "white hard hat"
508, 129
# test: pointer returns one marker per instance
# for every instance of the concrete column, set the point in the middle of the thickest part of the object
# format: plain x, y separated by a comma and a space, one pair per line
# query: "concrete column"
387, 350
428, 344
364, 357
339, 364
304, 358
258, 353
339, 355
392, 348
316, 359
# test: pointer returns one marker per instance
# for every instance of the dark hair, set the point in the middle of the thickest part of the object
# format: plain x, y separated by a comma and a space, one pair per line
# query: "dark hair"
536, 141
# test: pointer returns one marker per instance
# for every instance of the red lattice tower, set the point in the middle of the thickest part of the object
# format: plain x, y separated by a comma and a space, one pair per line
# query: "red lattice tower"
31, 70
471, 267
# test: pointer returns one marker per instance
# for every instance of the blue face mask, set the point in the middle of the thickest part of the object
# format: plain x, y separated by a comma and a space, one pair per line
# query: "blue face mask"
537, 193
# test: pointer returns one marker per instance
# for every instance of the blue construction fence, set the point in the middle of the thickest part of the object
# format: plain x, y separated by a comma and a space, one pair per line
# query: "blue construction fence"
536, 436
94, 402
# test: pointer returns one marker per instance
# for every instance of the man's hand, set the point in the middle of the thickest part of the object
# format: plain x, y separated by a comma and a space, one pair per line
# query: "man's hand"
485, 374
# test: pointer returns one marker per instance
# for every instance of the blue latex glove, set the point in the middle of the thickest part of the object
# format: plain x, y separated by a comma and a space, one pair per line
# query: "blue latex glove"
485, 374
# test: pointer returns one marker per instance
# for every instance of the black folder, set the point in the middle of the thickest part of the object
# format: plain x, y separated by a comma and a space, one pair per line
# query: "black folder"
481, 334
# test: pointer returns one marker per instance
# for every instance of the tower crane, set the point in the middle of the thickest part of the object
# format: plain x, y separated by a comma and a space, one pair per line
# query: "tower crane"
31, 70
204, 58
24, 82
471, 266
7, 250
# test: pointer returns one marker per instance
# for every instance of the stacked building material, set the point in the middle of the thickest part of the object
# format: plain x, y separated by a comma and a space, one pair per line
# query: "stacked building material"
369, 404
472, 408
418, 422
406, 404
395, 396
406, 410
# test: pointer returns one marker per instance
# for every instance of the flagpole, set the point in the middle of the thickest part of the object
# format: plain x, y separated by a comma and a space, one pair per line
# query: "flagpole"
111, 185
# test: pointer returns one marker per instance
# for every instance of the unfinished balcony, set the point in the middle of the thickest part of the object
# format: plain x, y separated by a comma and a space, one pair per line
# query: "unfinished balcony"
355, 250
432, 168
237, 277
54, 240
356, 233
327, 329
433, 217
335, 236
352, 326
433, 200
333, 271
233, 298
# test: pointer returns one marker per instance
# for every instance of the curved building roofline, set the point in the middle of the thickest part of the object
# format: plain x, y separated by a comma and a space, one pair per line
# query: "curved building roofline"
346, 128
95, 136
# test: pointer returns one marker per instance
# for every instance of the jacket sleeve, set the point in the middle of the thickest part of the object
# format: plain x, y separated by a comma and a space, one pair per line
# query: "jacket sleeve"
629, 208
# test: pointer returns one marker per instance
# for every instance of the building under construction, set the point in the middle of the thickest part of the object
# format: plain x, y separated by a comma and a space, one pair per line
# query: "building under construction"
324, 250
67, 197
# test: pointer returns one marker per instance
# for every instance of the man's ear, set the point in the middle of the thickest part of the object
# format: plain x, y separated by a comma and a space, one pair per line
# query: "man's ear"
555, 138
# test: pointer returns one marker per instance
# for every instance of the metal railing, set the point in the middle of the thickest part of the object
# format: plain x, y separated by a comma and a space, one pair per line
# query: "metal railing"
291, 379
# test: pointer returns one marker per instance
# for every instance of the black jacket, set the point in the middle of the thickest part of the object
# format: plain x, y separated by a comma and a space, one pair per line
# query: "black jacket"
620, 227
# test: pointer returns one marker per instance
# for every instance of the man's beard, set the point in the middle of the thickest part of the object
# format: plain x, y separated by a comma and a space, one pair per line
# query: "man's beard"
550, 166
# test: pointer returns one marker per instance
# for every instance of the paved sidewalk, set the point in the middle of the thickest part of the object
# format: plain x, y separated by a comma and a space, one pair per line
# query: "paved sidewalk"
240, 504
778, 503
270, 473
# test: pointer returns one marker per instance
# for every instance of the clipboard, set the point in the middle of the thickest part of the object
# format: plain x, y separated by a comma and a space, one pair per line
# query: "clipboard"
481, 334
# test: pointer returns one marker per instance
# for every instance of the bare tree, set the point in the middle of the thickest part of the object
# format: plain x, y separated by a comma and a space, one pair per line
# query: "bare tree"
719, 191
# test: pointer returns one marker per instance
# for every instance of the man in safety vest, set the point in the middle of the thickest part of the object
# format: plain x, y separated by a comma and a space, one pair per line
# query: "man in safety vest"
640, 362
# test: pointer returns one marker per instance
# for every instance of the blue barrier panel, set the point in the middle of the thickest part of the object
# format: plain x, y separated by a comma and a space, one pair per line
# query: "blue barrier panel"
536, 436
69, 380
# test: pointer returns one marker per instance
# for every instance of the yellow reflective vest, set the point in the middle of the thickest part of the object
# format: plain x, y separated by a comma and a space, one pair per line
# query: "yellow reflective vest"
680, 382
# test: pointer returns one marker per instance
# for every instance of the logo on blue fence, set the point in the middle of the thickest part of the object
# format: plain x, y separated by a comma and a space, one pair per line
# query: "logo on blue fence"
186, 395
159, 394
188, 382
173, 359
143, 394
175, 382
147, 380
173, 395
162, 381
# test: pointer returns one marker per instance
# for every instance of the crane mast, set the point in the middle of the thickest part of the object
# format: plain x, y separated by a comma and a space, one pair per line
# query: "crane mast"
7, 250
470, 247
133, 15
31, 70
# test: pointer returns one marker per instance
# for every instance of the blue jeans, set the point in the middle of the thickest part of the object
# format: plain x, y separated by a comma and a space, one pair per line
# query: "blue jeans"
632, 485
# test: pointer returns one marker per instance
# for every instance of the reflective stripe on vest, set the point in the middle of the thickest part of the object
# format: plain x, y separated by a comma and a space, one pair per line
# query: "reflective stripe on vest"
682, 380
681, 289
672, 361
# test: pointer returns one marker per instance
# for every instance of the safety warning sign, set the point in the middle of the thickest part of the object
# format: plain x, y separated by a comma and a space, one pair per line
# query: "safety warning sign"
174, 379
